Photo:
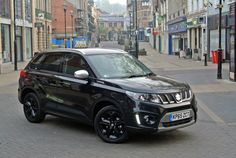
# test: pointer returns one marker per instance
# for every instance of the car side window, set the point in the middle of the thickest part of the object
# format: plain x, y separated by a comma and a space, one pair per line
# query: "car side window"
35, 63
73, 63
52, 62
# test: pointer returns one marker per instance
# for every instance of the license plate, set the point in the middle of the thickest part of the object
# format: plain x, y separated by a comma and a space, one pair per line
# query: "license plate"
175, 116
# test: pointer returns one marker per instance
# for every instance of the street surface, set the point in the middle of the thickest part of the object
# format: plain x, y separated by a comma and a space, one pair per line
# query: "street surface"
214, 135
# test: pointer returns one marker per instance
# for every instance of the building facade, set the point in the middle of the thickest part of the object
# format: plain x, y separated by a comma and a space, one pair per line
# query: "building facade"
84, 19
110, 26
22, 31
196, 24
91, 23
213, 25
81, 17
63, 23
43, 24
162, 27
144, 13
177, 26
232, 41
144, 16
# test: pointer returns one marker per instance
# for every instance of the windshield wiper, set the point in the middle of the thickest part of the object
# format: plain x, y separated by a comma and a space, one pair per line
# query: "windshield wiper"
150, 74
133, 76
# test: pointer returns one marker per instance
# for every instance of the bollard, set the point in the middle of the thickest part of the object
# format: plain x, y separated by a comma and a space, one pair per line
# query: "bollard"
205, 56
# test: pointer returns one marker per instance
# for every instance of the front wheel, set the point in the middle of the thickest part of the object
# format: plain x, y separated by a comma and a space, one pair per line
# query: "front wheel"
110, 126
32, 108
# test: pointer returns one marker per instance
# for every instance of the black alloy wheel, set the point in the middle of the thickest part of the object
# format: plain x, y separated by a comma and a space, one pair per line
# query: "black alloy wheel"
110, 126
32, 109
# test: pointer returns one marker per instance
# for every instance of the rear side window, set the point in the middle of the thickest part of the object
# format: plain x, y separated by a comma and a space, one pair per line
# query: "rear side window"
52, 62
35, 63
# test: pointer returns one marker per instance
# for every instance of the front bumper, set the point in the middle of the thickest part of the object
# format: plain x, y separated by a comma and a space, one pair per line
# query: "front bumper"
166, 125
161, 113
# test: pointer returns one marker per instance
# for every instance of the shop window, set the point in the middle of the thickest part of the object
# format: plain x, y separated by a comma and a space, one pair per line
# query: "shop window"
6, 47
28, 10
5, 8
18, 6
29, 43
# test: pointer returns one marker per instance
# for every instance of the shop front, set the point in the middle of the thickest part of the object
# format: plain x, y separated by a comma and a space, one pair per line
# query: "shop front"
232, 24
213, 25
196, 27
177, 35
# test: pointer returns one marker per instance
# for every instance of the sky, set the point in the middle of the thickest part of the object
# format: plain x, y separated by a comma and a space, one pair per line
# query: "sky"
118, 1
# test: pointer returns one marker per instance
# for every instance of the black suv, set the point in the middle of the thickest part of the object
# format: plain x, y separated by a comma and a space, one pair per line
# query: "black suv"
108, 89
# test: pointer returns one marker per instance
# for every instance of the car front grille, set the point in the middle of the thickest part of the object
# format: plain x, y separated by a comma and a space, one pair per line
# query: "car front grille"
170, 98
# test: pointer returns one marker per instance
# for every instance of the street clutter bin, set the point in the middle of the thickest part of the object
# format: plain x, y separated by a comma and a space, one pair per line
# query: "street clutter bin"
215, 56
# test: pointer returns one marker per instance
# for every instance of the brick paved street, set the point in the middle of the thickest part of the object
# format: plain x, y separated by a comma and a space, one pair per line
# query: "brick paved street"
214, 135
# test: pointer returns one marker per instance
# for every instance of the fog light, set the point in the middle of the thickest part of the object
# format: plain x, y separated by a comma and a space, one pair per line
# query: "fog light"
149, 120
138, 119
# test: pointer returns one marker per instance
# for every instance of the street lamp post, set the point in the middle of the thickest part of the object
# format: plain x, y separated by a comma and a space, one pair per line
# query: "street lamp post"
219, 71
15, 45
130, 31
72, 22
72, 25
46, 29
65, 8
136, 29
153, 29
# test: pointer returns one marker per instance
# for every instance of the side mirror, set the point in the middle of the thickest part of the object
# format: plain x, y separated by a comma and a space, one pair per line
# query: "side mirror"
81, 74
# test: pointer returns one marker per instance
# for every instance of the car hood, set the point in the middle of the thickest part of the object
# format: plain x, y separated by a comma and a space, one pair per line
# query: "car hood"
151, 84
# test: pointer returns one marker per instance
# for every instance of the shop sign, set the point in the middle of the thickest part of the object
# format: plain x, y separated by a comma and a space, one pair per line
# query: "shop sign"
80, 42
178, 27
41, 16
38, 24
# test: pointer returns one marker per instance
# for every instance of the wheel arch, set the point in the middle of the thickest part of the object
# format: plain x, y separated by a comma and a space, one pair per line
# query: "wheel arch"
103, 103
26, 91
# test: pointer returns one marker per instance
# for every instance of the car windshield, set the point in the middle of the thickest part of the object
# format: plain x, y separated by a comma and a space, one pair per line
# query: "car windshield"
118, 66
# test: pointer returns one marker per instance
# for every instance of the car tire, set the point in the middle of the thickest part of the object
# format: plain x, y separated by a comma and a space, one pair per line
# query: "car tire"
110, 126
32, 108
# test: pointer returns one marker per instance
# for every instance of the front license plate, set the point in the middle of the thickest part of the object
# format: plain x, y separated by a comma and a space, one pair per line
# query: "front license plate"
175, 116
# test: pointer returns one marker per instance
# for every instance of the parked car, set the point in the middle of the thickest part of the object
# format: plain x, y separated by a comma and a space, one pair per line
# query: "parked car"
107, 89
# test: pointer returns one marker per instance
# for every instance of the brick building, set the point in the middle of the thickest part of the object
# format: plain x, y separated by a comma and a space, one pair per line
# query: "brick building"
58, 23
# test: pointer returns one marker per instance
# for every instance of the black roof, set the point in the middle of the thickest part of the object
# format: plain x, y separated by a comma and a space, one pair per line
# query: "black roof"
88, 51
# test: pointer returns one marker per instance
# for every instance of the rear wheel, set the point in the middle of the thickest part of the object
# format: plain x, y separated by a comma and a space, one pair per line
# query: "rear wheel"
32, 109
110, 126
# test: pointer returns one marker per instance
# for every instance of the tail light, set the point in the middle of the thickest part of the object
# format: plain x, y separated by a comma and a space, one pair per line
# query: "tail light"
23, 74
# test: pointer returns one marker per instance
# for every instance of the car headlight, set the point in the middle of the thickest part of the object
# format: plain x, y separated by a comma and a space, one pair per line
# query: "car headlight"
153, 98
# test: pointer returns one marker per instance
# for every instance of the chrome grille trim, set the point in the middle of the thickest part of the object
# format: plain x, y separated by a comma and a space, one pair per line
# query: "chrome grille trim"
170, 98
163, 102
